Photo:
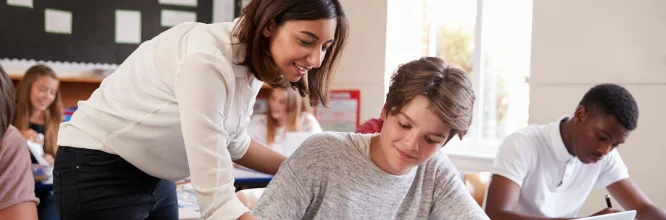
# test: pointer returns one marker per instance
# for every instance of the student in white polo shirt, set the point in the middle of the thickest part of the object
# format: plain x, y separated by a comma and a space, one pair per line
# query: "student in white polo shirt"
547, 171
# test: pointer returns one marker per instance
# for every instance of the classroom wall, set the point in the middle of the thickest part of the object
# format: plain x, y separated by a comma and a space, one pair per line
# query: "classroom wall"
223, 10
363, 61
577, 44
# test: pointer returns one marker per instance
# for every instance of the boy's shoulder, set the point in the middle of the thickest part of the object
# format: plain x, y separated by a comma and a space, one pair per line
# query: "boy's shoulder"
531, 139
321, 151
440, 165
12, 138
325, 143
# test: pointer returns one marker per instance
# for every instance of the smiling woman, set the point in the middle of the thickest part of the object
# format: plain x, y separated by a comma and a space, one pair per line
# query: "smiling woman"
303, 36
180, 106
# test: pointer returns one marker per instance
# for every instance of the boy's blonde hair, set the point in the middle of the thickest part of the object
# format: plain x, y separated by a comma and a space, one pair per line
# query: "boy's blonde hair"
448, 89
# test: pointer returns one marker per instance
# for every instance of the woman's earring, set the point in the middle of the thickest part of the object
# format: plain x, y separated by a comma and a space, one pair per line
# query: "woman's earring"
267, 32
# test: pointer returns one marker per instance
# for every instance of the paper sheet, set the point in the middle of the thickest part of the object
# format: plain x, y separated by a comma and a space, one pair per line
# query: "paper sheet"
170, 18
58, 21
37, 150
128, 27
191, 3
22, 3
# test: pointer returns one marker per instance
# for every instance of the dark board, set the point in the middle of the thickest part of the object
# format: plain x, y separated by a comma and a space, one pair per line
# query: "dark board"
22, 33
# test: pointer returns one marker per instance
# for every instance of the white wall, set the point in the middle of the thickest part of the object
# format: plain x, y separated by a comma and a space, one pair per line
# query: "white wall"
223, 10
363, 61
577, 44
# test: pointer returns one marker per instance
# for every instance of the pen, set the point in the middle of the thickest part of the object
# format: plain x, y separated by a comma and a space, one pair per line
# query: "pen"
608, 202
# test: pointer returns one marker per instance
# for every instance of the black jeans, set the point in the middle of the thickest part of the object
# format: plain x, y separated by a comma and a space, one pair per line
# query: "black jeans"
92, 184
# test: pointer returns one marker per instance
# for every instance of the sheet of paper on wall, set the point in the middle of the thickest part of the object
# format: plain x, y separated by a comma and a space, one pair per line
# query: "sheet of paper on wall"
170, 18
21, 3
191, 3
128, 27
58, 21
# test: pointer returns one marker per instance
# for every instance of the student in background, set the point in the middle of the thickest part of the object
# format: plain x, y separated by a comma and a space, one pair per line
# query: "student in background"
285, 114
371, 126
547, 171
39, 109
38, 117
180, 105
399, 173
17, 199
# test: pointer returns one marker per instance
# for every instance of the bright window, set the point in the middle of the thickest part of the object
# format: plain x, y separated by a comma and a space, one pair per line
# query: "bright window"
491, 41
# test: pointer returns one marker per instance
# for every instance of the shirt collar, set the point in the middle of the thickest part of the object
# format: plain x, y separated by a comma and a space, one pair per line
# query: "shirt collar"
556, 142
236, 51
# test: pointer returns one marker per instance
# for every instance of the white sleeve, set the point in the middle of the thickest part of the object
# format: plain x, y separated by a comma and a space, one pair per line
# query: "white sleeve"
514, 158
614, 170
241, 142
310, 123
257, 128
201, 89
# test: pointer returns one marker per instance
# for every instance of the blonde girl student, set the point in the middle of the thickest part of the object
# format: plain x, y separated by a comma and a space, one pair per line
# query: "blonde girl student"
39, 108
285, 114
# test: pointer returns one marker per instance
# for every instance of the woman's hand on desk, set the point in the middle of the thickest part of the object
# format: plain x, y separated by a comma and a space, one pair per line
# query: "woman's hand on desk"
31, 135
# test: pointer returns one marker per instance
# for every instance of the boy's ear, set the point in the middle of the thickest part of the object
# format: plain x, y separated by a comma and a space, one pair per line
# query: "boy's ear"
383, 114
580, 115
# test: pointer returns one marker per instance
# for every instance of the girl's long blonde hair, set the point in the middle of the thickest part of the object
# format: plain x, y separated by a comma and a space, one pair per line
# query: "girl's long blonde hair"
294, 103
53, 115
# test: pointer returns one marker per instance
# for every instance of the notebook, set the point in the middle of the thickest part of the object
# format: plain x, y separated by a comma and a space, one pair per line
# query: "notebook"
626, 215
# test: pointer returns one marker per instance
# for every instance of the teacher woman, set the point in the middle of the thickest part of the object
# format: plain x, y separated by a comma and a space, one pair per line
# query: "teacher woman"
180, 105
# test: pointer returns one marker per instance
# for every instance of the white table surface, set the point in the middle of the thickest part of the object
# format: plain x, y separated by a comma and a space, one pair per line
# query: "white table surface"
192, 213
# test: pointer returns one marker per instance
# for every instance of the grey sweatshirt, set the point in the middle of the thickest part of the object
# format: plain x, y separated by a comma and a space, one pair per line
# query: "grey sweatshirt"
331, 176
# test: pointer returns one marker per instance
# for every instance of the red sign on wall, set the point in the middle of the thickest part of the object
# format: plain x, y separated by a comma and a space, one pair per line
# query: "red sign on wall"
343, 112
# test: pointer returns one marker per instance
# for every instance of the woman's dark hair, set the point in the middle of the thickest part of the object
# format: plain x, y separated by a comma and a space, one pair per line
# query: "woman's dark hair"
259, 14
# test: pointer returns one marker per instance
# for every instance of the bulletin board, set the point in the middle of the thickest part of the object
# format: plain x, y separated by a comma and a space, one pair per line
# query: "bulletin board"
39, 29
343, 113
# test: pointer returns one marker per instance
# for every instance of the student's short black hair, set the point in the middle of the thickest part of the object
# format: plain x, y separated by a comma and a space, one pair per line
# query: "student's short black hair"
614, 100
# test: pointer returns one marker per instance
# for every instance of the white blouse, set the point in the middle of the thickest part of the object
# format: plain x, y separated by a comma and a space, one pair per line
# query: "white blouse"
258, 130
177, 107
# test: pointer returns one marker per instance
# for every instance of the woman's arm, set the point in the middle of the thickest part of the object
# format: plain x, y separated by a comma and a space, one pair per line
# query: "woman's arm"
21, 211
201, 89
261, 158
